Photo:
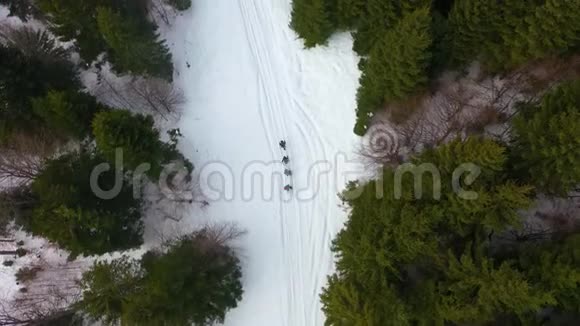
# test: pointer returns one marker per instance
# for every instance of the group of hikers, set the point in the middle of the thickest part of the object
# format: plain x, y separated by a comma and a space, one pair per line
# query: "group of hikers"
286, 160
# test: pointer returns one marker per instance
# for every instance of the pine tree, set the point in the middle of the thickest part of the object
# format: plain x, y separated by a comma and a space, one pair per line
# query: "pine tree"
471, 25
68, 113
35, 43
195, 282
547, 139
76, 20
132, 50
347, 13
347, 302
106, 287
477, 291
135, 135
311, 21
552, 29
379, 17
555, 266
73, 20
73, 214
404, 259
23, 78
396, 67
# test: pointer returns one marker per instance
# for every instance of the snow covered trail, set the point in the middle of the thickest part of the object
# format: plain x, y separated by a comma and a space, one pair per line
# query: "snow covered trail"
249, 85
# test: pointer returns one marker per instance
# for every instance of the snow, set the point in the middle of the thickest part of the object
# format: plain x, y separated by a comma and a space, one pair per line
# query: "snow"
251, 84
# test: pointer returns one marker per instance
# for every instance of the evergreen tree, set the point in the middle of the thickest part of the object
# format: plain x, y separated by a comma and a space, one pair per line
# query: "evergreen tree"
23, 78
380, 16
195, 282
76, 20
69, 113
396, 67
501, 50
311, 21
404, 259
134, 134
471, 25
555, 267
346, 302
73, 214
479, 291
547, 139
347, 13
73, 20
132, 50
35, 43
551, 29
107, 286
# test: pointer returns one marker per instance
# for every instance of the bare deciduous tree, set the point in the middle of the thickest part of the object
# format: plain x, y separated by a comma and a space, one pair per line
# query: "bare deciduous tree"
23, 156
157, 95
145, 95
48, 297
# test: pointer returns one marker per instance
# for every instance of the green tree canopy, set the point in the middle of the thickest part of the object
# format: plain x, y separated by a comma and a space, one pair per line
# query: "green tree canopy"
72, 213
195, 282
311, 20
132, 50
405, 259
69, 113
547, 140
119, 28
23, 78
396, 67
134, 134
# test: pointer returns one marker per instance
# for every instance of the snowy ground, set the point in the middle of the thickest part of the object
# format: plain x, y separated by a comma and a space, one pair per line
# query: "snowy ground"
249, 85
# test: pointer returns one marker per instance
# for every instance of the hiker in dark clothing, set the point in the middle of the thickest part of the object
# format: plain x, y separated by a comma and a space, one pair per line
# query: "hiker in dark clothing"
285, 160
287, 172
283, 144
288, 187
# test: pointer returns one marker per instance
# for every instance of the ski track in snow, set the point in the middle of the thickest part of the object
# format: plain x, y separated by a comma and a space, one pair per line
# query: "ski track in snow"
254, 70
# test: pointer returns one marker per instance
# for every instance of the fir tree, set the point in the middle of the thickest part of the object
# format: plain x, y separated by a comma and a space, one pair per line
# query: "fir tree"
477, 291
23, 78
471, 24
404, 259
195, 282
131, 49
107, 286
396, 67
347, 13
74, 20
71, 213
551, 29
135, 135
547, 139
69, 113
311, 21
37, 44
347, 302
379, 17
